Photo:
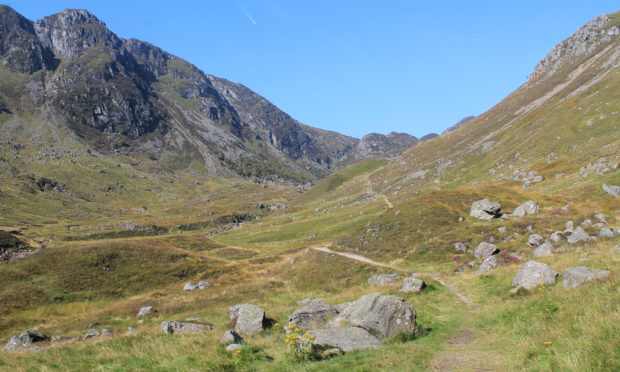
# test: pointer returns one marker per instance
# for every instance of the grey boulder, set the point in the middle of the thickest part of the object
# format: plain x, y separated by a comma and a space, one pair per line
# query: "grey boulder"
485, 209
313, 315
383, 316
577, 236
231, 337
484, 250
190, 286
25, 339
533, 274
144, 311
345, 339
91, 333
382, 279
577, 276
545, 249
180, 328
234, 347
489, 264
529, 207
606, 232
248, 318
411, 284
612, 190
534, 240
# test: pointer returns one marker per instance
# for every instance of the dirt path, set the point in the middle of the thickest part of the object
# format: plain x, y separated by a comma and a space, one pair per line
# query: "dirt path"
470, 304
376, 194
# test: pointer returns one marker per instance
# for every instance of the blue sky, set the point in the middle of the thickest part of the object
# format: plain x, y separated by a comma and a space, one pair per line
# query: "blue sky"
354, 66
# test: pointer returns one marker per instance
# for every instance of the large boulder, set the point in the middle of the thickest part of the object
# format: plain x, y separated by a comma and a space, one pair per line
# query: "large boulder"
577, 236
545, 249
247, 318
382, 279
383, 316
529, 207
484, 250
612, 190
533, 274
313, 315
534, 240
346, 339
411, 284
577, 276
485, 209
179, 328
25, 339
489, 264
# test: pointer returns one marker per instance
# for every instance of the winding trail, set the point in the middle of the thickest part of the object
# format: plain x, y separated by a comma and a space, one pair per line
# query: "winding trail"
470, 304
376, 194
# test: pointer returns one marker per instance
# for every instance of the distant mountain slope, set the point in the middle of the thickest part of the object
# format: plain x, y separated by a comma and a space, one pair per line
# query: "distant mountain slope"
121, 96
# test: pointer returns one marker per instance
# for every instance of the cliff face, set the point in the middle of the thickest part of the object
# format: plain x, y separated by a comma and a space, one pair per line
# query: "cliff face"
113, 91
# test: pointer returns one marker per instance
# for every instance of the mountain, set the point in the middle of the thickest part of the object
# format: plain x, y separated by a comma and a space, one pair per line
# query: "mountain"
375, 145
461, 122
128, 96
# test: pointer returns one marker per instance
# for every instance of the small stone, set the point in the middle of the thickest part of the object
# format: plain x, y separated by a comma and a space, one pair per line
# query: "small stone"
600, 217
565, 207
615, 249
606, 233
231, 337
569, 225
578, 236
612, 190
411, 284
529, 207
234, 347
203, 284
545, 249
91, 333
460, 246
484, 250
535, 240
178, 328
501, 229
106, 332
556, 236
144, 311
587, 222
382, 279
190, 286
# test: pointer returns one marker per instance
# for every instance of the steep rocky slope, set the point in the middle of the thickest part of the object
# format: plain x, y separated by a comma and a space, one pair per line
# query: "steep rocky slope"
130, 96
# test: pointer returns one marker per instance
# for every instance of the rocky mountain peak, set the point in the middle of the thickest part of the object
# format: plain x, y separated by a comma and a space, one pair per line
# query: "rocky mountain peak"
583, 42
71, 32
20, 49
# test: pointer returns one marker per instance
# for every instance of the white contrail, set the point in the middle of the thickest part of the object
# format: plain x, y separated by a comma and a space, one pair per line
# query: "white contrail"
246, 13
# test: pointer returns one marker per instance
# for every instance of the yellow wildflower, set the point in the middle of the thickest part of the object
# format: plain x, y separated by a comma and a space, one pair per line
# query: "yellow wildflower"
547, 342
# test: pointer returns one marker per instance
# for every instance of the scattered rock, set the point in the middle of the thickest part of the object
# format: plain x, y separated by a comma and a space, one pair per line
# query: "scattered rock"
460, 246
484, 250
532, 274
489, 264
577, 236
345, 339
411, 284
382, 279
179, 328
91, 333
231, 337
501, 229
577, 276
535, 240
248, 318
312, 316
529, 207
600, 217
190, 286
234, 347
556, 236
485, 209
144, 311
612, 190
606, 233
25, 339
545, 249
383, 316
203, 284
